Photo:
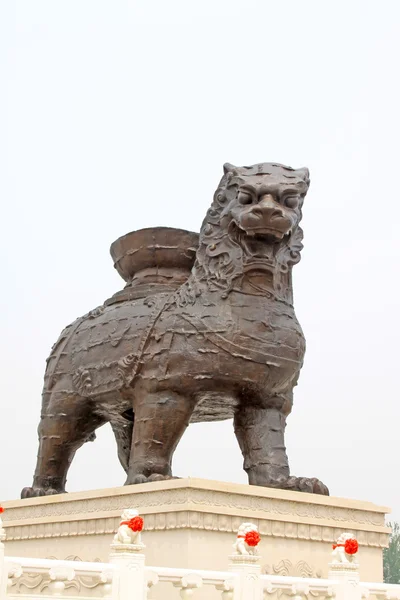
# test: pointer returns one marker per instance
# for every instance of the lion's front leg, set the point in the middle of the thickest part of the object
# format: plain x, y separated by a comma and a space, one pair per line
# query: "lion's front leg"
67, 422
342, 556
160, 420
122, 538
260, 432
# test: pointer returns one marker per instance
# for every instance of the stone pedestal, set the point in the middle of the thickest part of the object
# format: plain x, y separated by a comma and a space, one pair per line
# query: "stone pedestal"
192, 523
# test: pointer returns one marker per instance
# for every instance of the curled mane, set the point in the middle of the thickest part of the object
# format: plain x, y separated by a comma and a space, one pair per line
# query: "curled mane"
221, 260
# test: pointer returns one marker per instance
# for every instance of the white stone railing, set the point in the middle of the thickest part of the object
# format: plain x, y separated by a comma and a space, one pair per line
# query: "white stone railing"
380, 591
44, 577
297, 587
188, 581
126, 577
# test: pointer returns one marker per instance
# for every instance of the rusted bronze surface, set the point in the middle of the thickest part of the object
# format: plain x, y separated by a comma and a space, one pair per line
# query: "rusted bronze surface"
204, 330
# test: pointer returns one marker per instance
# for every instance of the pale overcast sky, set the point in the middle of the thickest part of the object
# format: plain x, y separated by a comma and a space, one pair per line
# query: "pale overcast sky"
117, 115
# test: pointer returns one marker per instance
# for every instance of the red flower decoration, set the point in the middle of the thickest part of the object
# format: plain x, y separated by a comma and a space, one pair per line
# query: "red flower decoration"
351, 546
252, 538
1, 510
136, 524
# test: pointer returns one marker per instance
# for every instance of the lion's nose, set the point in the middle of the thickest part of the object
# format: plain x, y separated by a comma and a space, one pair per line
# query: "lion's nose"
267, 200
267, 208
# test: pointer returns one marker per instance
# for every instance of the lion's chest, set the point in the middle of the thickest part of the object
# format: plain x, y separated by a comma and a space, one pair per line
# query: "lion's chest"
245, 337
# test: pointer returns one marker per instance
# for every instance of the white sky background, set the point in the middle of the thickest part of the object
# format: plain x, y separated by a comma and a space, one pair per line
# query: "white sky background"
118, 115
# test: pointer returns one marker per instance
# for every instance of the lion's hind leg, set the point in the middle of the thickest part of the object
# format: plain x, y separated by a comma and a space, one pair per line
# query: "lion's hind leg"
67, 422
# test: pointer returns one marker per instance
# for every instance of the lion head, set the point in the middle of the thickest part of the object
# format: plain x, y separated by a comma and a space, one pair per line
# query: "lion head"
128, 514
253, 223
344, 537
264, 201
246, 528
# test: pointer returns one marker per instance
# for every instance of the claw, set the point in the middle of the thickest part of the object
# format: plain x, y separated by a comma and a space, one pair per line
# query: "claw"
307, 485
139, 479
143, 479
319, 487
157, 477
34, 492
298, 484
26, 492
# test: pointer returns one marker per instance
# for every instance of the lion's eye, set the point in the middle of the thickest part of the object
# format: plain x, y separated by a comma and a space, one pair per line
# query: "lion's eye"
291, 201
244, 198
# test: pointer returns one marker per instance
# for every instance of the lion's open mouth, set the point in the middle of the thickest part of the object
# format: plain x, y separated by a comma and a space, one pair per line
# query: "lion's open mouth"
258, 242
265, 234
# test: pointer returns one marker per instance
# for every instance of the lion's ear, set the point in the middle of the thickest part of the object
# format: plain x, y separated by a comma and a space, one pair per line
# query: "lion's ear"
228, 168
304, 173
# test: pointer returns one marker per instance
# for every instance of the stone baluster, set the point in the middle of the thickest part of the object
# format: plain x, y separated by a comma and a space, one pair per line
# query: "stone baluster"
188, 584
3, 566
248, 583
129, 579
226, 588
344, 568
244, 562
58, 578
14, 572
299, 591
105, 583
152, 579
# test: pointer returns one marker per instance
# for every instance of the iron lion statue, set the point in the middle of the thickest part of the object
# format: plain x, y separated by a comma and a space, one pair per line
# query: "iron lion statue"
204, 330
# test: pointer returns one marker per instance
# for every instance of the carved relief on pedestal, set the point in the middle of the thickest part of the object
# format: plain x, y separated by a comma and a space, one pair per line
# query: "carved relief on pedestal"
287, 569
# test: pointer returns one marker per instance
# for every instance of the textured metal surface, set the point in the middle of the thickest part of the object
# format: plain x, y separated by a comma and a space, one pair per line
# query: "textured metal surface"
204, 330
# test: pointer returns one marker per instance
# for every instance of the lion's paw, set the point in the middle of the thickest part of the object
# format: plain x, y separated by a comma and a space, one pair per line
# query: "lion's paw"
143, 479
34, 492
308, 485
